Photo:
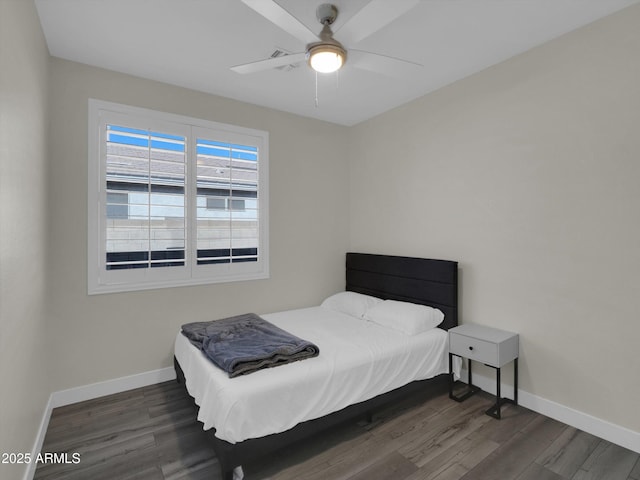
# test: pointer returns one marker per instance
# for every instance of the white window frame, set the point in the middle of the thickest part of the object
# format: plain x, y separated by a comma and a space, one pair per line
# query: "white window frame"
101, 280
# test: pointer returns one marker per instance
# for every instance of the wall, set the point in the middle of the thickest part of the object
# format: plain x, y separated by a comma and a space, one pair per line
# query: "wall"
102, 337
24, 62
527, 174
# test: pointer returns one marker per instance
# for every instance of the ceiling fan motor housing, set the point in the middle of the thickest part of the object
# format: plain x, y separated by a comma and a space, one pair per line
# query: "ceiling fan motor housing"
326, 13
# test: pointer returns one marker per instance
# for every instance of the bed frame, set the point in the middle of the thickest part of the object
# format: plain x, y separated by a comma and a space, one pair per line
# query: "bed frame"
417, 280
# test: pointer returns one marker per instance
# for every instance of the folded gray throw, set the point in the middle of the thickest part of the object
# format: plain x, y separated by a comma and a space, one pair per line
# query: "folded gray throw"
246, 343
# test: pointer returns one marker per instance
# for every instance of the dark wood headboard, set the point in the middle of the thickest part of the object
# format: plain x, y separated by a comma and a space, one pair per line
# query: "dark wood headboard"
417, 280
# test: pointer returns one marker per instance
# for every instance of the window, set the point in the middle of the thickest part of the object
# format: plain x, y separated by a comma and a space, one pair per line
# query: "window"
117, 205
217, 203
174, 200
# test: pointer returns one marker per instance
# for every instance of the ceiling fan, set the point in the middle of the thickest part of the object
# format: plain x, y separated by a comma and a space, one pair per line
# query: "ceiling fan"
324, 53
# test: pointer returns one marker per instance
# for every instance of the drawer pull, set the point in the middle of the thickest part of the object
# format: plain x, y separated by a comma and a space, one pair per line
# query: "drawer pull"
470, 348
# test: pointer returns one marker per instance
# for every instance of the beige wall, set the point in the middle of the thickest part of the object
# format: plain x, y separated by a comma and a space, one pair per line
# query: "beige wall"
528, 174
24, 389
102, 337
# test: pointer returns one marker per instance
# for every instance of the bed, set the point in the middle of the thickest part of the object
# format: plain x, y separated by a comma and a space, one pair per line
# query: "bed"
370, 364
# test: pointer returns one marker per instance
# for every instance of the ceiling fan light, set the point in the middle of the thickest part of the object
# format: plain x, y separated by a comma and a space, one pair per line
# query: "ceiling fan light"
326, 58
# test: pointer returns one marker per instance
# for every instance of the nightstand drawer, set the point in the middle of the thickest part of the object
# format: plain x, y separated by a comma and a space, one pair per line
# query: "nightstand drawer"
484, 344
478, 350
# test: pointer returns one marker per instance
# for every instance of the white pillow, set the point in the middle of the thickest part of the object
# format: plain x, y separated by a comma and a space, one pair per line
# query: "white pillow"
408, 318
351, 303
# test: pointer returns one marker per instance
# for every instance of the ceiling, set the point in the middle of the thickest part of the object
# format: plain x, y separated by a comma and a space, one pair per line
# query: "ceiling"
193, 44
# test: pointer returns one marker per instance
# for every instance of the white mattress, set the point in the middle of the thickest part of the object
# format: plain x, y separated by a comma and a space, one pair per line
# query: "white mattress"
358, 360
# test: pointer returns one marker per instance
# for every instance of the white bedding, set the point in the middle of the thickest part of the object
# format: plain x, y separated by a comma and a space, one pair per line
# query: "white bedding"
358, 360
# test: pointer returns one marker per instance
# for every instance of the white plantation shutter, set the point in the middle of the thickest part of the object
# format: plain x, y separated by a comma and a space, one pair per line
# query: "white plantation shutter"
227, 177
150, 168
174, 200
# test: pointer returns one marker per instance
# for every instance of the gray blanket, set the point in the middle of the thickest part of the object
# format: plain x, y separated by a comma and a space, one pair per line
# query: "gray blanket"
246, 343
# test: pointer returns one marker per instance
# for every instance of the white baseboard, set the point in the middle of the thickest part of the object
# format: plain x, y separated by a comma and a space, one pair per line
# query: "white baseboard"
37, 447
88, 392
117, 385
600, 428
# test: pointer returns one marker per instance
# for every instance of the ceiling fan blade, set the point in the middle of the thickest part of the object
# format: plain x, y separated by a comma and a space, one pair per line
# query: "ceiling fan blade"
273, 12
375, 15
390, 66
261, 65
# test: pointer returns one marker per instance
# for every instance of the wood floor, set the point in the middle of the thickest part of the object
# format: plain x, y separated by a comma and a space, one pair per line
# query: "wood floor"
151, 433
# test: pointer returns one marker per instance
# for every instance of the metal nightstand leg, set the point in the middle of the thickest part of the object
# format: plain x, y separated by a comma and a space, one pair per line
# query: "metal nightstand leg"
494, 411
472, 389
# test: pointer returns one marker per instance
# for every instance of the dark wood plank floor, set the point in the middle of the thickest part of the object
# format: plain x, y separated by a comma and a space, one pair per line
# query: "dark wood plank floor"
151, 434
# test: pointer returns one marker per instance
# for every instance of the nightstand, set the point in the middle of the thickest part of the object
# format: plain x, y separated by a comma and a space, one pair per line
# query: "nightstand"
495, 348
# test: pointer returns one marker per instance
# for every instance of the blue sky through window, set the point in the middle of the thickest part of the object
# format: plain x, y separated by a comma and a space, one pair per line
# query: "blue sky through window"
142, 138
